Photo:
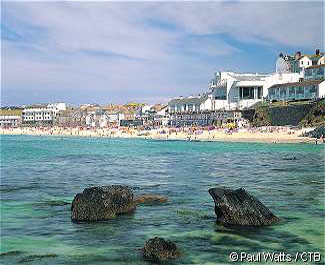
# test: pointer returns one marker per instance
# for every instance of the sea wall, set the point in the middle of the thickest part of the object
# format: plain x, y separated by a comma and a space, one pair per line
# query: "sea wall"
288, 115
303, 114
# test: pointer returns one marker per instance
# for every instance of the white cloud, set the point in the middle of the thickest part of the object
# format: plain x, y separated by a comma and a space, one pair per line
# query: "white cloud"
298, 24
140, 50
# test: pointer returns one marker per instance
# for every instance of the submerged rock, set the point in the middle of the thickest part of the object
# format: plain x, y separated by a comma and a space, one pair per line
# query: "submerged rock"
102, 203
11, 253
290, 158
159, 249
37, 257
148, 198
237, 207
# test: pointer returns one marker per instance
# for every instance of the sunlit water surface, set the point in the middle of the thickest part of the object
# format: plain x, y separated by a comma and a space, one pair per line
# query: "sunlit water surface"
41, 175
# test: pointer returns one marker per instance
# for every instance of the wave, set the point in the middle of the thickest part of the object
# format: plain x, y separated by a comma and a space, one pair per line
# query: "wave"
9, 188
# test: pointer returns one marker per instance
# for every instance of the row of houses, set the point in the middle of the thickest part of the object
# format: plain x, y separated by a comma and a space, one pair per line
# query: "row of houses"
297, 77
87, 115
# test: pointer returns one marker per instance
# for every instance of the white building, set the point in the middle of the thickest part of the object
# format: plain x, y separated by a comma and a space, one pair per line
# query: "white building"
161, 116
10, 120
42, 114
233, 90
279, 78
114, 118
321, 60
191, 104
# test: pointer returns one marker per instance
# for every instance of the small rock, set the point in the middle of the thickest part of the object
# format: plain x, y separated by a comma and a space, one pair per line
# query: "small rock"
238, 208
147, 198
159, 249
102, 203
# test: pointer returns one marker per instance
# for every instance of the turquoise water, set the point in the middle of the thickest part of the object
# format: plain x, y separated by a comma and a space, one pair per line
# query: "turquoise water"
41, 175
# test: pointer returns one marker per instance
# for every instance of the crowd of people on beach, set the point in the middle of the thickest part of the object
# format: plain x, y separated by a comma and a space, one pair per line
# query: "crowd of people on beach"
226, 132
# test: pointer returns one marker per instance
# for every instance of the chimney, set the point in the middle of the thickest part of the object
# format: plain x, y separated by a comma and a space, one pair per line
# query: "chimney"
281, 55
317, 51
298, 55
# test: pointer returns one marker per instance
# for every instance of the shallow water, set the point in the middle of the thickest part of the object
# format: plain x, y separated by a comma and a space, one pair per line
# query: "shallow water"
41, 175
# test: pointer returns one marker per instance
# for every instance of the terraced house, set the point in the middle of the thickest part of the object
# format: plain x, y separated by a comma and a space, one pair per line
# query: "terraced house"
311, 89
315, 72
311, 84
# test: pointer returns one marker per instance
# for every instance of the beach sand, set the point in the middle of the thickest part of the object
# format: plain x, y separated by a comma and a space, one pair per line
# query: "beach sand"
260, 135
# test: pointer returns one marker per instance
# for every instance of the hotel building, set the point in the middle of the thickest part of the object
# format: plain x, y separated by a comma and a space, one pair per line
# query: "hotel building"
41, 114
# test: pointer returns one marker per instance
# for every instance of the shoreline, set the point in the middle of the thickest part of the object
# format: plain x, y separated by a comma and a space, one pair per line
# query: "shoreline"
281, 135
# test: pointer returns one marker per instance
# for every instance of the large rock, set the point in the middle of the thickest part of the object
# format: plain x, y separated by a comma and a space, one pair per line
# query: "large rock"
159, 249
102, 203
238, 208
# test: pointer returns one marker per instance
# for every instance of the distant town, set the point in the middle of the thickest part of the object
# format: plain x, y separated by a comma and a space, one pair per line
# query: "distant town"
297, 77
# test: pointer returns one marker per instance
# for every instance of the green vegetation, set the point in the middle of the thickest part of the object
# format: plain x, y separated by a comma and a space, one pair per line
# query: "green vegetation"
14, 112
299, 113
261, 116
315, 117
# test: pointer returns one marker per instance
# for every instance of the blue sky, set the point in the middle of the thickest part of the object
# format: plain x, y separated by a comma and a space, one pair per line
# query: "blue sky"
116, 52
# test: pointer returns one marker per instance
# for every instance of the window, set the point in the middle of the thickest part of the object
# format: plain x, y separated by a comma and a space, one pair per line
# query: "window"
283, 92
246, 92
292, 93
300, 92
259, 92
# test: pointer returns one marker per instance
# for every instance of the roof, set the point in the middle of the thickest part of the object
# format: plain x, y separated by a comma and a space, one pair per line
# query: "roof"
303, 83
158, 107
312, 57
316, 66
36, 106
251, 77
189, 100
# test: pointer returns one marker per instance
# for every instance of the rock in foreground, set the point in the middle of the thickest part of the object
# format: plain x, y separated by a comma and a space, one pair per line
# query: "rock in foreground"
238, 208
148, 198
159, 249
102, 203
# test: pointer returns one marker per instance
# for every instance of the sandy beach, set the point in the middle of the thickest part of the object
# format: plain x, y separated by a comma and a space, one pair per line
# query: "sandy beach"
260, 135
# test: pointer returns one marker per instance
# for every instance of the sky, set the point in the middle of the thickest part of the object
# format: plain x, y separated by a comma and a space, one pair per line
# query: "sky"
119, 52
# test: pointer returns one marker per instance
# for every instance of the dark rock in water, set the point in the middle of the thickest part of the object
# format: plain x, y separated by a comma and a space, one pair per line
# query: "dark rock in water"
148, 198
37, 257
159, 249
316, 133
290, 158
11, 253
238, 208
102, 203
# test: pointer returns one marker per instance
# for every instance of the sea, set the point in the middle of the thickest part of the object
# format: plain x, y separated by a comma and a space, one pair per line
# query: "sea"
40, 175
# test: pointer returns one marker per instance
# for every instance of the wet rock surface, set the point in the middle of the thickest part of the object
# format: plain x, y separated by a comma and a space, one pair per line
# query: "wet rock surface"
102, 203
238, 208
158, 249
316, 133
150, 199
